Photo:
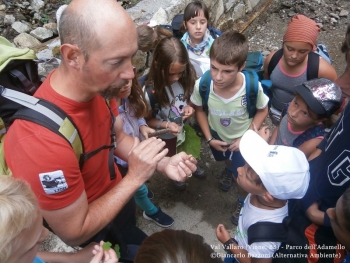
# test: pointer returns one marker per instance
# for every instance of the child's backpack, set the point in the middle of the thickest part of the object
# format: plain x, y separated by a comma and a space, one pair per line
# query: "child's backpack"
176, 24
301, 240
19, 80
312, 63
252, 86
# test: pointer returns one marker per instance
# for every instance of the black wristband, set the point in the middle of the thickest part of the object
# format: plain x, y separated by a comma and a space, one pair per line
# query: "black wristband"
209, 140
227, 244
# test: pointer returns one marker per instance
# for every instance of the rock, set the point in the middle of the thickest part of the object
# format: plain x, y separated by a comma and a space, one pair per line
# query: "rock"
20, 27
344, 13
41, 33
25, 40
9, 19
334, 15
52, 27
160, 17
2, 7
37, 4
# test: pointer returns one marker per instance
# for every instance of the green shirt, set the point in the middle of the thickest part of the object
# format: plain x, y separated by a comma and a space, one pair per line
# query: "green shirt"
229, 117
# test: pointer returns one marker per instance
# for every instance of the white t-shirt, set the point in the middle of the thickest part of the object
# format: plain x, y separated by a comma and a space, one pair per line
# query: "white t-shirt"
175, 110
250, 215
201, 63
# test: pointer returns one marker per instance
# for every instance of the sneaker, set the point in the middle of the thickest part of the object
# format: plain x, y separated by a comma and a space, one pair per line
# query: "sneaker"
181, 186
160, 218
150, 194
225, 181
236, 213
199, 173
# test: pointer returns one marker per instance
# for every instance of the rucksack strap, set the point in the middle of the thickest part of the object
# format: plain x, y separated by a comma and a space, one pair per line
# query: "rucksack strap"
313, 63
153, 101
274, 61
268, 231
252, 87
52, 117
311, 133
204, 90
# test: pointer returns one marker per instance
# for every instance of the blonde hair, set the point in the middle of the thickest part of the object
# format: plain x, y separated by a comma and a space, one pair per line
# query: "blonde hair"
18, 212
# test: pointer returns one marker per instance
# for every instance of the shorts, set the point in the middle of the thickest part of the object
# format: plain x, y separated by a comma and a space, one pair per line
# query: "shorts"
236, 158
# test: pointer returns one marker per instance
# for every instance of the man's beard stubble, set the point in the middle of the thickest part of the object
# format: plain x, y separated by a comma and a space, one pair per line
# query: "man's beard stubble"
112, 91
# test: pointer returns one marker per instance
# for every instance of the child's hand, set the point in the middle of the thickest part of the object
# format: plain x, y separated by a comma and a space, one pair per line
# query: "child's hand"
174, 128
219, 145
234, 146
222, 234
188, 112
145, 130
108, 256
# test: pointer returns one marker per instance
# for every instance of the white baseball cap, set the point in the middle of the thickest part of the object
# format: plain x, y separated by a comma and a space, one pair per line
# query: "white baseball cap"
283, 170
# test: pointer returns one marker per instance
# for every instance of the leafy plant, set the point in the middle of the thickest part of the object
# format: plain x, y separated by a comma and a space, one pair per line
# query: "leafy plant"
44, 19
107, 246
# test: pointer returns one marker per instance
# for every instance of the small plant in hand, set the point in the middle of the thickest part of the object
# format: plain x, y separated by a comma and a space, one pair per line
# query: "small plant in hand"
107, 246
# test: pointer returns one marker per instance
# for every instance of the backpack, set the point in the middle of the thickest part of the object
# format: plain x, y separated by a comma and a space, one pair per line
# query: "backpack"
312, 63
19, 80
253, 74
300, 239
176, 24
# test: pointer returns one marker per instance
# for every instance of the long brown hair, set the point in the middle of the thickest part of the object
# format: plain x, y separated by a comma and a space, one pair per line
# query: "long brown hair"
167, 52
137, 99
175, 246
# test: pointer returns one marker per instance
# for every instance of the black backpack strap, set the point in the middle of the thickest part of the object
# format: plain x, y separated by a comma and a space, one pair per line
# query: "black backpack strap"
252, 87
313, 64
153, 100
268, 231
274, 61
52, 117
312, 132
204, 89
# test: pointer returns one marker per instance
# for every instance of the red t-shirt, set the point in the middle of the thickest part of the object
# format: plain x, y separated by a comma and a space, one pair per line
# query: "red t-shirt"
48, 162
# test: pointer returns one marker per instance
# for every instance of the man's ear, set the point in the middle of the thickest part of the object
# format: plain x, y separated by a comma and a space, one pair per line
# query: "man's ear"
72, 55
243, 66
268, 197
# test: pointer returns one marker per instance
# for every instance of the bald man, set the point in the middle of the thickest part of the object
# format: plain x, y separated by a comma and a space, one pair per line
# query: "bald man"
98, 41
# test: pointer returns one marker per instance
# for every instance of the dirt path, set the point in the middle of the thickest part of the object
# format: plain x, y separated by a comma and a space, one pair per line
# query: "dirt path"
203, 205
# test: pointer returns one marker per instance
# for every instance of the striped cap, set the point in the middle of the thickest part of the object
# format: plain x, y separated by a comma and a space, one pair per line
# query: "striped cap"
302, 29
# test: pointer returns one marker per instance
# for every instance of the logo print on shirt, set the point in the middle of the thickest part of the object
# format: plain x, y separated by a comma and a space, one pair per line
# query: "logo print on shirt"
244, 100
225, 121
53, 182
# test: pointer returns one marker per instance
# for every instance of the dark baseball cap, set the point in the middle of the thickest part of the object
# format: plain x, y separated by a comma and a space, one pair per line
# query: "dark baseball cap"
323, 96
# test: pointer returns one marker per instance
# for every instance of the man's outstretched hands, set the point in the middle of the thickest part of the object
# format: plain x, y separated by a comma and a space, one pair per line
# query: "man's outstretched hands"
144, 158
179, 167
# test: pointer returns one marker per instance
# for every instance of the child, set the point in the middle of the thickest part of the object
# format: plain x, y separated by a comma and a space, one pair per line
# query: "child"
148, 37
132, 106
228, 117
292, 69
175, 246
197, 39
172, 77
303, 124
272, 174
22, 231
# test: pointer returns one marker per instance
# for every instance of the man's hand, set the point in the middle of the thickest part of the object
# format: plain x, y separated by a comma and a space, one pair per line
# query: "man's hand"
179, 167
144, 158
